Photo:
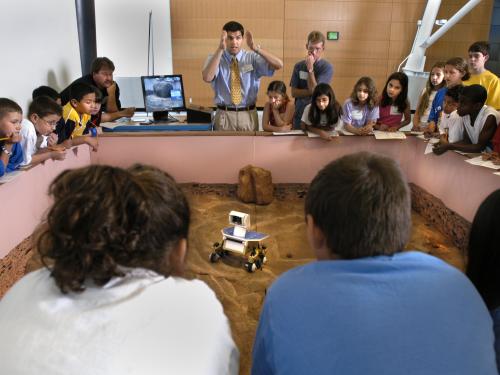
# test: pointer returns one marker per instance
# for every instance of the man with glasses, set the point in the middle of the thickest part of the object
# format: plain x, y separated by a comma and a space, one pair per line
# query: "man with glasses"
101, 76
308, 73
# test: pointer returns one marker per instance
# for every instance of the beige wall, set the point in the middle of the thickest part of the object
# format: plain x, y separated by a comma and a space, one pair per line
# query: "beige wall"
375, 36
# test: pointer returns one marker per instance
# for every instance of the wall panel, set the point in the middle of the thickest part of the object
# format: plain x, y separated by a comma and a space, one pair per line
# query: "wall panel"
375, 36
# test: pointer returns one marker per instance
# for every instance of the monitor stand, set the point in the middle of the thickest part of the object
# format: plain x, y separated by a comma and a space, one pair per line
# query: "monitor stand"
161, 116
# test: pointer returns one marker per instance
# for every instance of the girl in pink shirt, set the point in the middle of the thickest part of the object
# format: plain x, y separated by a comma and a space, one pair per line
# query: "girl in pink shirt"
394, 104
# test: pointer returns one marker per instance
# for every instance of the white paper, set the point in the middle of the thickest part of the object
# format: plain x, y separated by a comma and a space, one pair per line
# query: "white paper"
332, 133
388, 135
483, 163
345, 132
110, 125
428, 149
7, 177
291, 132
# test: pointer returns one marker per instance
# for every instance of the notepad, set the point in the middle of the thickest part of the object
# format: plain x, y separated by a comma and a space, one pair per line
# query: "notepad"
345, 132
111, 125
388, 135
7, 177
482, 163
428, 149
332, 133
291, 132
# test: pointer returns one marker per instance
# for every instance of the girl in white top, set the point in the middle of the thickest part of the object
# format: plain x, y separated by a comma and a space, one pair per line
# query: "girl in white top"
112, 301
321, 117
434, 83
360, 111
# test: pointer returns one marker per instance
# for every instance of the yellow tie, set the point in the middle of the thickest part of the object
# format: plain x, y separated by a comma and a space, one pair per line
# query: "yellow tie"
235, 82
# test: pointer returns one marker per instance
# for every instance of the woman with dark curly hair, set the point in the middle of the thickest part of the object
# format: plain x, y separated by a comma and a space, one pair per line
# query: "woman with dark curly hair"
112, 301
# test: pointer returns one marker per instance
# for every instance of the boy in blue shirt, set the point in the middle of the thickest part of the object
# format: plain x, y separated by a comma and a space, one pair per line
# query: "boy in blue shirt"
367, 307
11, 153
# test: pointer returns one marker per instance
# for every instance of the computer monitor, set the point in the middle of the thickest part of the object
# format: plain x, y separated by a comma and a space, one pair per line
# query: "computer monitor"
163, 94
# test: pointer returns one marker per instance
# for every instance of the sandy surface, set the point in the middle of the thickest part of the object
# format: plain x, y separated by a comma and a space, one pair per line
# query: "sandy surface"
240, 292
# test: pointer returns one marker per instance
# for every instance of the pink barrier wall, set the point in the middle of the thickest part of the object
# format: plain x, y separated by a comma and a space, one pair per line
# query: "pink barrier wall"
217, 158
461, 186
24, 199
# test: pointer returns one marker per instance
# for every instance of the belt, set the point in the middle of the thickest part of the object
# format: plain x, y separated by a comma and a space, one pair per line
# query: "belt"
236, 109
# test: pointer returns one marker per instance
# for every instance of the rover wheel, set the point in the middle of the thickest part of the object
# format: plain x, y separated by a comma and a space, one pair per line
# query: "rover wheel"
258, 263
214, 257
251, 267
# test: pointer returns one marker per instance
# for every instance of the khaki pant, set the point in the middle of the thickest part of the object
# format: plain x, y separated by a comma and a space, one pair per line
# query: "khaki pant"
236, 120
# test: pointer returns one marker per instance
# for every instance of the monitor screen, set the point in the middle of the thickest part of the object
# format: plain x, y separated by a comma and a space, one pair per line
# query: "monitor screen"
163, 93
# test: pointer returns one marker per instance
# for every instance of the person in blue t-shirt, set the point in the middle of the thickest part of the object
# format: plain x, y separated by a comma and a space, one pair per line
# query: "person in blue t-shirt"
11, 153
367, 307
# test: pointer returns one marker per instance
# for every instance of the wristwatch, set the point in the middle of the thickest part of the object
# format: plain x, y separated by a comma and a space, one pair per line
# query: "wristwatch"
6, 151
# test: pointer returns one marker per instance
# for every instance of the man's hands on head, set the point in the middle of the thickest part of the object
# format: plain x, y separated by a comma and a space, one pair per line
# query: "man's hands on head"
249, 39
223, 40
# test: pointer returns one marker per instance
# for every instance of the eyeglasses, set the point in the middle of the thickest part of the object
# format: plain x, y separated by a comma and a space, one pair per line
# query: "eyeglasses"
52, 123
315, 49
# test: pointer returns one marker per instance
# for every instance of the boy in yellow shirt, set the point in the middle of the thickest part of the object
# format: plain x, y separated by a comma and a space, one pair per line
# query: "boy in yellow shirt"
479, 53
72, 128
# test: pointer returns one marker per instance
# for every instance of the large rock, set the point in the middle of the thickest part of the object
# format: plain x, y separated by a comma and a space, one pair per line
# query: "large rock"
163, 89
255, 185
